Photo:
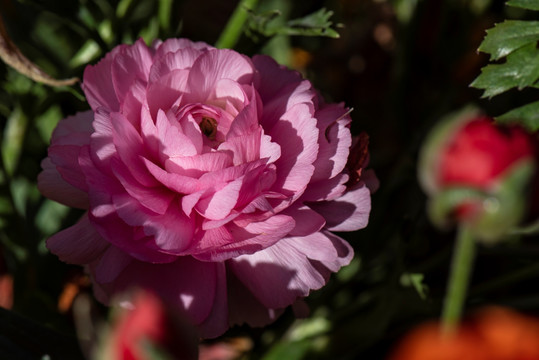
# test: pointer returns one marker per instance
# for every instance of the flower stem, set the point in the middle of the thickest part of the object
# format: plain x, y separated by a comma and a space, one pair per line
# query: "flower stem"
232, 31
461, 268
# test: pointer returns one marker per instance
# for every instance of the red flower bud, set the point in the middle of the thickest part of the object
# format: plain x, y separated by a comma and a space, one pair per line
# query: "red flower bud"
477, 172
480, 152
147, 327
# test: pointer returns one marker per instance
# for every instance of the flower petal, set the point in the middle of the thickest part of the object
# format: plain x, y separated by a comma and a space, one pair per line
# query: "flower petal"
51, 184
214, 65
350, 212
78, 244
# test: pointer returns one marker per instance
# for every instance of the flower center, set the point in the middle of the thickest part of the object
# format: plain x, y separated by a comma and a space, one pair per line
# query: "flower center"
208, 126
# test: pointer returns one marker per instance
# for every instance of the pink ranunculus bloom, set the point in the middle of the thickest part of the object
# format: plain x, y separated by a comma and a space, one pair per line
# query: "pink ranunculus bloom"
208, 176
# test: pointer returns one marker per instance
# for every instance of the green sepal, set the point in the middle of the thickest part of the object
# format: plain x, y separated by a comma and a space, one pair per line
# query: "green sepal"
506, 209
443, 204
436, 140
501, 208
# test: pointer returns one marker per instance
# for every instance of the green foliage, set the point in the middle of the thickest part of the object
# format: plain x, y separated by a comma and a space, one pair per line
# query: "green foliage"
529, 114
314, 24
525, 4
506, 37
514, 41
520, 70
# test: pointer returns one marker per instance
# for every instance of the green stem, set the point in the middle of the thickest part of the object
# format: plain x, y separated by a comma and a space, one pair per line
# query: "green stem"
230, 35
461, 268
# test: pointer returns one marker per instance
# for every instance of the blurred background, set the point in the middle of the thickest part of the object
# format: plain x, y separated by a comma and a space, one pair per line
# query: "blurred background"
400, 64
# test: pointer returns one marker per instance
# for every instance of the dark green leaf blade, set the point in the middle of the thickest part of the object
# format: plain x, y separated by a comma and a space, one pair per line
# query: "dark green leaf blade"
525, 4
527, 116
511, 35
520, 70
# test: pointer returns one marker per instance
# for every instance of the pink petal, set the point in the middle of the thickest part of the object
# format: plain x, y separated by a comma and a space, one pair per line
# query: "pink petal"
165, 92
51, 184
213, 65
130, 148
197, 165
186, 282
245, 308
69, 136
231, 93
350, 212
297, 134
131, 107
107, 222
244, 148
307, 220
149, 133
172, 232
178, 183
130, 64
179, 60
334, 141
173, 45
246, 122
280, 89
290, 269
277, 275
217, 321
325, 247
97, 83
110, 264
221, 203
74, 130
247, 240
78, 244
66, 159
173, 142
156, 198
329, 189
101, 143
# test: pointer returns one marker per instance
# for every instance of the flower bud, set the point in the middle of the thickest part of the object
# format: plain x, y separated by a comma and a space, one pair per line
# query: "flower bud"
145, 328
476, 172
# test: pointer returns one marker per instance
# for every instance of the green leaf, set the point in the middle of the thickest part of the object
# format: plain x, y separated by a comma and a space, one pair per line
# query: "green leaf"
415, 280
268, 24
520, 70
527, 116
504, 38
315, 24
525, 4
14, 133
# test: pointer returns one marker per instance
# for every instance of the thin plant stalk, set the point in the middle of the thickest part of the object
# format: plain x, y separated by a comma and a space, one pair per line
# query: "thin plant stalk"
459, 278
233, 29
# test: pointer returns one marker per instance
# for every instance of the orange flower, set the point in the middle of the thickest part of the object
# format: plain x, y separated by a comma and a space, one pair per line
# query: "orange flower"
493, 334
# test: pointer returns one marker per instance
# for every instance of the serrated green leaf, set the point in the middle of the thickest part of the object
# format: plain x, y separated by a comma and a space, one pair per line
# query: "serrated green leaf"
527, 116
506, 37
525, 4
315, 24
520, 70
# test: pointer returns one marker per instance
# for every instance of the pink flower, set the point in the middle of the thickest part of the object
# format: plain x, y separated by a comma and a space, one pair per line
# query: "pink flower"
210, 177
